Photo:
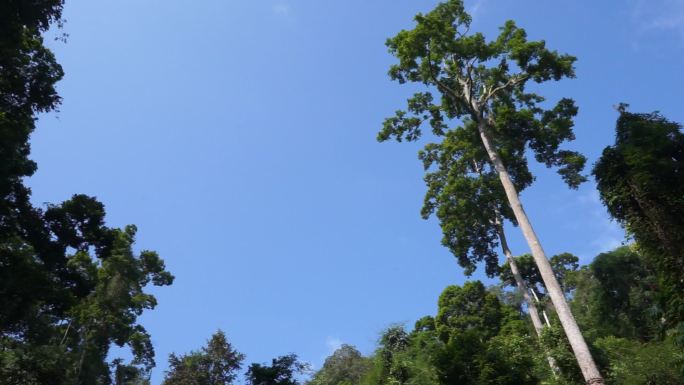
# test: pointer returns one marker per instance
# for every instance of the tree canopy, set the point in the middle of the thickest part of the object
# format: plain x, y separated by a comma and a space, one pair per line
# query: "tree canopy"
471, 80
216, 363
282, 371
346, 366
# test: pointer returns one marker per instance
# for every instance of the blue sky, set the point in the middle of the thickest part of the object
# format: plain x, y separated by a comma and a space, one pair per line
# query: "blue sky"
239, 136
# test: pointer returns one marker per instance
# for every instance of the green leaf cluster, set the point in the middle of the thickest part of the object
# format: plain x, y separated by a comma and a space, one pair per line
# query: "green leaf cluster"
282, 371
216, 363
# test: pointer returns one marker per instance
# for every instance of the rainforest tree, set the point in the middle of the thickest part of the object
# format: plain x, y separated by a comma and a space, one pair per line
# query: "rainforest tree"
80, 290
482, 105
641, 182
70, 287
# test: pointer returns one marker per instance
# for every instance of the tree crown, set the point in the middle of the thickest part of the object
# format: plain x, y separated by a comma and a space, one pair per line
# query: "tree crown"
472, 84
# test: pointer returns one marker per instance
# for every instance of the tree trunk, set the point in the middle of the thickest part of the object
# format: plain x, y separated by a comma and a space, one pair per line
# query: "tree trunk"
536, 299
579, 346
522, 287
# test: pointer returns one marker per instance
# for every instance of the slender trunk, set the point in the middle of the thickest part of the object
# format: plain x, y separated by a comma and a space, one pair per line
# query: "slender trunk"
65, 333
522, 287
536, 299
579, 346
82, 359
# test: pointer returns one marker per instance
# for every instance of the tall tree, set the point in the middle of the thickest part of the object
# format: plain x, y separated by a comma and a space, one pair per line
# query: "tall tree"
216, 363
70, 287
641, 182
469, 203
483, 84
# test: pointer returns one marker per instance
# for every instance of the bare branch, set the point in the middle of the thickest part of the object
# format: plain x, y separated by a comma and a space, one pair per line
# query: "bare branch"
464, 33
512, 82
434, 76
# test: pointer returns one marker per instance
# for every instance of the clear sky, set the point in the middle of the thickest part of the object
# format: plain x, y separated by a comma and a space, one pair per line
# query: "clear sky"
239, 136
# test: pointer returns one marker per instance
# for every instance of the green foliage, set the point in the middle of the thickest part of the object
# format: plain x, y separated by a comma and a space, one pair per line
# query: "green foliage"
282, 371
564, 265
70, 287
483, 84
468, 308
84, 290
404, 358
618, 294
128, 374
27, 86
485, 341
636, 363
28, 76
510, 359
346, 366
215, 364
474, 339
641, 182
619, 302
555, 342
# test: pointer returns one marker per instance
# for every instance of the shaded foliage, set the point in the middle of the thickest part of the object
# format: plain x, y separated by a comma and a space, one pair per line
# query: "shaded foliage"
81, 290
28, 74
632, 362
70, 287
282, 371
641, 182
618, 294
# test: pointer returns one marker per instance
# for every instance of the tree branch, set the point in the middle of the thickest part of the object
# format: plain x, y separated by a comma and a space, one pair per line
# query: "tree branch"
512, 82
434, 76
